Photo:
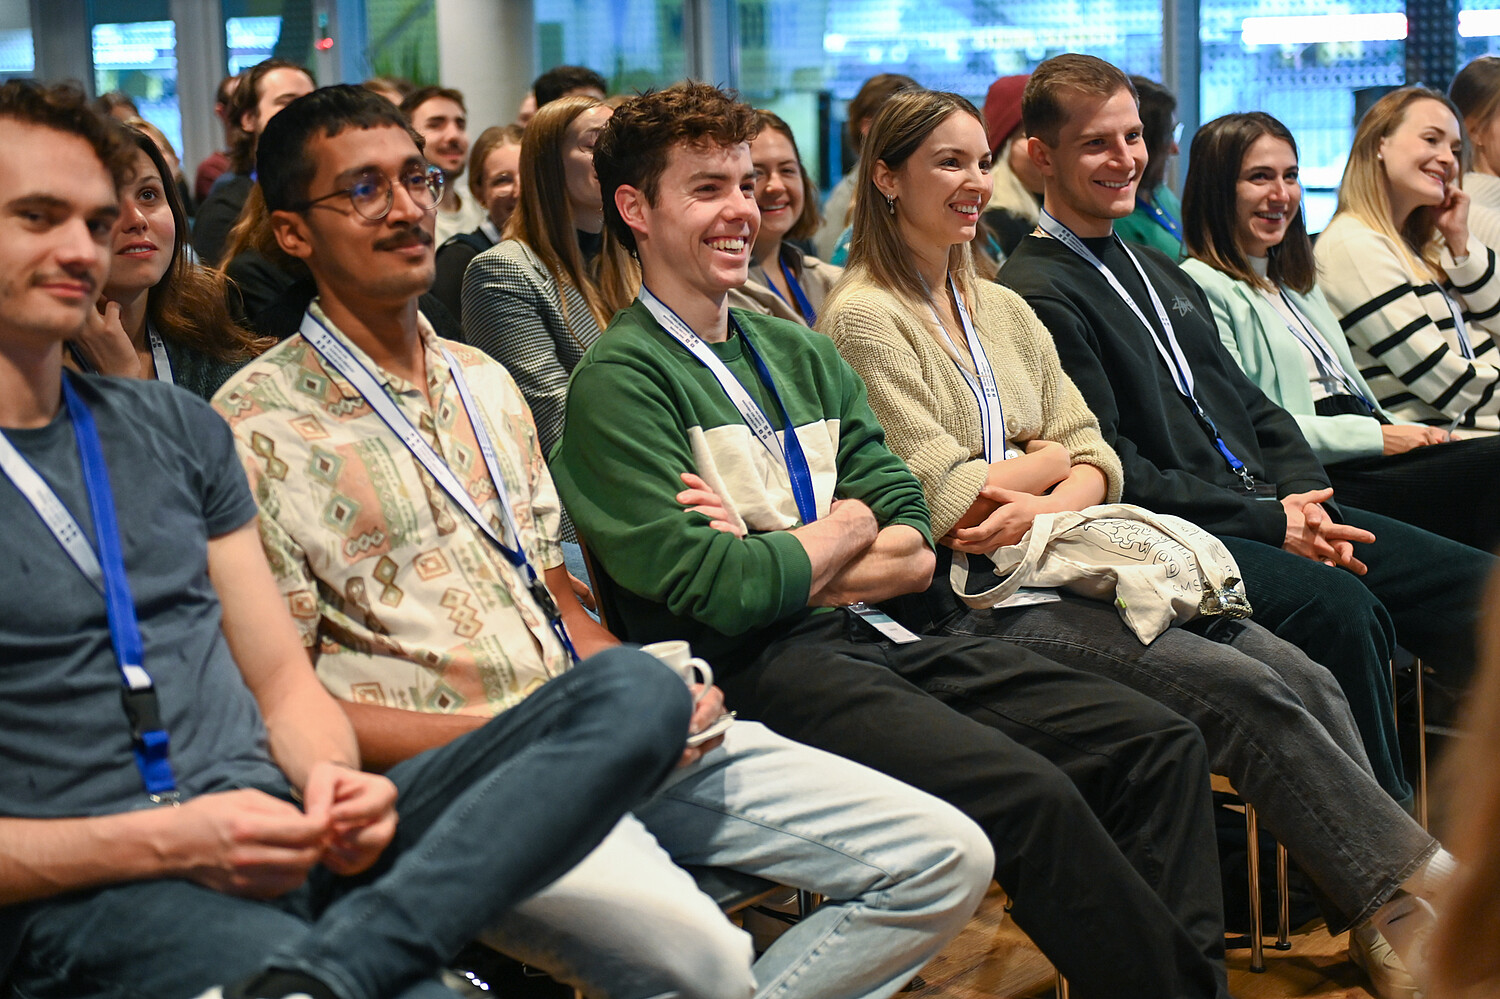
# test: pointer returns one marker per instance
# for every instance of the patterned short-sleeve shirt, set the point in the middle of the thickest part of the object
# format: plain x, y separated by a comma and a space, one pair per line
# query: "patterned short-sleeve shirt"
407, 602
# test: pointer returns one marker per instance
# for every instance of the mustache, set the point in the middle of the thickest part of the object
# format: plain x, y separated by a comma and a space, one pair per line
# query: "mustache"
88, 280
413, 236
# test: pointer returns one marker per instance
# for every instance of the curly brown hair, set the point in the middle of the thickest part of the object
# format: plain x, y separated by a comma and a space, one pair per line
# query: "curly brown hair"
65, 108
633, 148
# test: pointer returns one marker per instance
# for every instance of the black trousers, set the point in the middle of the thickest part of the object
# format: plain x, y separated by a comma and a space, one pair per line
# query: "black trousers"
1095, 797
1448, 489
1422, 591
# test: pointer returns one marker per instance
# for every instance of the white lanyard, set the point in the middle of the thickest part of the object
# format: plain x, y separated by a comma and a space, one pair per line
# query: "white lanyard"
343, 360
749, 409
1465, 348
56, 516
1307, 334
159, 355
981, 381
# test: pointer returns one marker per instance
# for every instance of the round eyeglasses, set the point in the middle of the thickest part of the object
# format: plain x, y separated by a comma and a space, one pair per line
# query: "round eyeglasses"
372, 194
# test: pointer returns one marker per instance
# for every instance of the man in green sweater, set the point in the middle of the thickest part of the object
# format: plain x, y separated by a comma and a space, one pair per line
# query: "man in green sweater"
1094, 797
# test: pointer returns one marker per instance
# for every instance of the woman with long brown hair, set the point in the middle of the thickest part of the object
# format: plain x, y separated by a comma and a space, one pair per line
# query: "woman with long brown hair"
538, 299
161, 315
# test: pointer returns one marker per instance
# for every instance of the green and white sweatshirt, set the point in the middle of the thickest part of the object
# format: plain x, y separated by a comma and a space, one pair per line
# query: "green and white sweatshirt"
641, 410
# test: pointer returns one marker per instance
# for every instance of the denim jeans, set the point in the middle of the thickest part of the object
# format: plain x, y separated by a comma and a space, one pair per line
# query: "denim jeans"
486, 821
1095, 798
1276, 725
902, 873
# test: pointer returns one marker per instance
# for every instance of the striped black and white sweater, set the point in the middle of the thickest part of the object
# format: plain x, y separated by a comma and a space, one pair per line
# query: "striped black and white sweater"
1401, 330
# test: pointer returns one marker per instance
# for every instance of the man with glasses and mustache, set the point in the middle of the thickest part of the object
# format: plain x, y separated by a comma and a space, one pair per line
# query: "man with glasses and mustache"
412, 527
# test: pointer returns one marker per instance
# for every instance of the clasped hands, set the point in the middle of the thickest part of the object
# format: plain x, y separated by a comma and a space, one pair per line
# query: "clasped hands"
1311, 533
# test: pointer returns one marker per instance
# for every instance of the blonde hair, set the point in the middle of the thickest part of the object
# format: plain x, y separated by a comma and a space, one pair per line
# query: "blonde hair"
543, 217
876, 250
1363, 194
1464, 957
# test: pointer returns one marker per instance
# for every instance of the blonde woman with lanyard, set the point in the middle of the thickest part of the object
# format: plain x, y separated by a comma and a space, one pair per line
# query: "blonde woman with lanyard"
970, 392
1242, 209
1416, 294
784, 282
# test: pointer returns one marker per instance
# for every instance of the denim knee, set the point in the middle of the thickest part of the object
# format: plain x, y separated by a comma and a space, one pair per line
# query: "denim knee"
650, 701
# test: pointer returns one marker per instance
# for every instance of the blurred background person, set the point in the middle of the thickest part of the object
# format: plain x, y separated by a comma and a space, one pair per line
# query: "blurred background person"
494, 180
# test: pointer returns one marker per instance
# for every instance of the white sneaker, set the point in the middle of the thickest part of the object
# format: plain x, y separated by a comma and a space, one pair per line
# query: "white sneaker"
1389, 978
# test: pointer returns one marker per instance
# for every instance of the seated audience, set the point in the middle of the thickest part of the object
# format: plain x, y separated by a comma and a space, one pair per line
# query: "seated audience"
216, 162
861, 112
439, 116
1242, 209
494, 180
181, 802
566, 81
1156, 219
1415, 292
426, 617
1475, 91
1038, 753
161, 316
1197, 439
931, 340
1016, 201
538, 299
784, 282
263, 90
169, 154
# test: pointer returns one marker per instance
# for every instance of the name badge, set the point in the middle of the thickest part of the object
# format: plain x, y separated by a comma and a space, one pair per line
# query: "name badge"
884, 623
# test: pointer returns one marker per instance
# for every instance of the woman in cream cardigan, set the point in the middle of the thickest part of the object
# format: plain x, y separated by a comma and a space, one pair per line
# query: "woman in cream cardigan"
1417, 295
1274, 721
1250, 252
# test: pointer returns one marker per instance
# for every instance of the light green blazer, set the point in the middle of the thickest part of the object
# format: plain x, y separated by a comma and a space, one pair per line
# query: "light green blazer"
1256, 335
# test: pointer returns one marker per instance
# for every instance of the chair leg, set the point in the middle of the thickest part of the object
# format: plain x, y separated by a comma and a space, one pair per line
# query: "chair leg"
1284, 913
1252, 857
1062, 986
1420, 678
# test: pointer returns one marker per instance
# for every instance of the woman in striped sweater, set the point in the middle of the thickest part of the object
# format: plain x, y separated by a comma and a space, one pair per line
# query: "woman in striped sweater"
1417, 295
932, 341
1243, 226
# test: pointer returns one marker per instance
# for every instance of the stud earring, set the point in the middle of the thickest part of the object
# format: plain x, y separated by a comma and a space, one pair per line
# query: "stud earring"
890, 203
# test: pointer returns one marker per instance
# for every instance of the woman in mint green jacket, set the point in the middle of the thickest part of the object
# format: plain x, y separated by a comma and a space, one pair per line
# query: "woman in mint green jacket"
1244, 232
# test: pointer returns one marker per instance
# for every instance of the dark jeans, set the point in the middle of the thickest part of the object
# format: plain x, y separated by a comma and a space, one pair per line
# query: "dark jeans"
486, 821
1422, 591
1448, 489
1094, 797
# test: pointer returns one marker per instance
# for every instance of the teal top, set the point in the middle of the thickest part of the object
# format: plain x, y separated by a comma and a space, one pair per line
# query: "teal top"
1144, 225
641, 410
1256, 336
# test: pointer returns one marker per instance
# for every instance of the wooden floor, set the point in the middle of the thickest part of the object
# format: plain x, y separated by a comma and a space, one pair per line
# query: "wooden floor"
992, 959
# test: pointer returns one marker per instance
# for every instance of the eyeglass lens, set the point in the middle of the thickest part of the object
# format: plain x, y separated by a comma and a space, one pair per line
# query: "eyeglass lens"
372, 195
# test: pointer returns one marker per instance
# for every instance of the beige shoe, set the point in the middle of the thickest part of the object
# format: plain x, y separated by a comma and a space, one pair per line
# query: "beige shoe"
1389, 978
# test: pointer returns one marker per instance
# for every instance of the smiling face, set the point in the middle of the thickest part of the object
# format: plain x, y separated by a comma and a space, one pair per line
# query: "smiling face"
56, 228
502, 188
578, 166
694, 241
354, 259
942, 187
1421, 157
1092, 174
145, 235
1267, 195
780, 191
444, 124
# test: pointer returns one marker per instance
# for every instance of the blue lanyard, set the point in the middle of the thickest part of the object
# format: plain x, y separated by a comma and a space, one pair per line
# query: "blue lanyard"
1162, 217
803, 305
789, 454
1171, 351
106, 572
342, 360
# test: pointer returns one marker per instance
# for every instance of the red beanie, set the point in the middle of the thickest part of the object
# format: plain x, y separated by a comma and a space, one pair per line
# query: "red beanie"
1002, 108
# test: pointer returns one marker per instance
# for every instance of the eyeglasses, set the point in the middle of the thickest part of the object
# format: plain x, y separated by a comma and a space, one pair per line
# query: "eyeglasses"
372, 195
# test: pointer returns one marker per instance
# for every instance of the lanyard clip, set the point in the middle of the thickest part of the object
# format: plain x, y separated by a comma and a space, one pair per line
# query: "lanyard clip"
1247, 479
172, 798
543, 598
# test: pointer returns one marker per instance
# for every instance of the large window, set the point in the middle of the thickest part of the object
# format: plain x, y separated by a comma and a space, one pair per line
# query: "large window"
17, 54
1314, 64
139, 58
634, 43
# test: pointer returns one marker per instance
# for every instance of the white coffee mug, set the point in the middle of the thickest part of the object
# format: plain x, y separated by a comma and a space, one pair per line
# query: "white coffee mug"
678, 655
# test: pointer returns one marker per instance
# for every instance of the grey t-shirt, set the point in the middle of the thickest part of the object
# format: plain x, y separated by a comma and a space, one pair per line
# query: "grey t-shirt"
65, 747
